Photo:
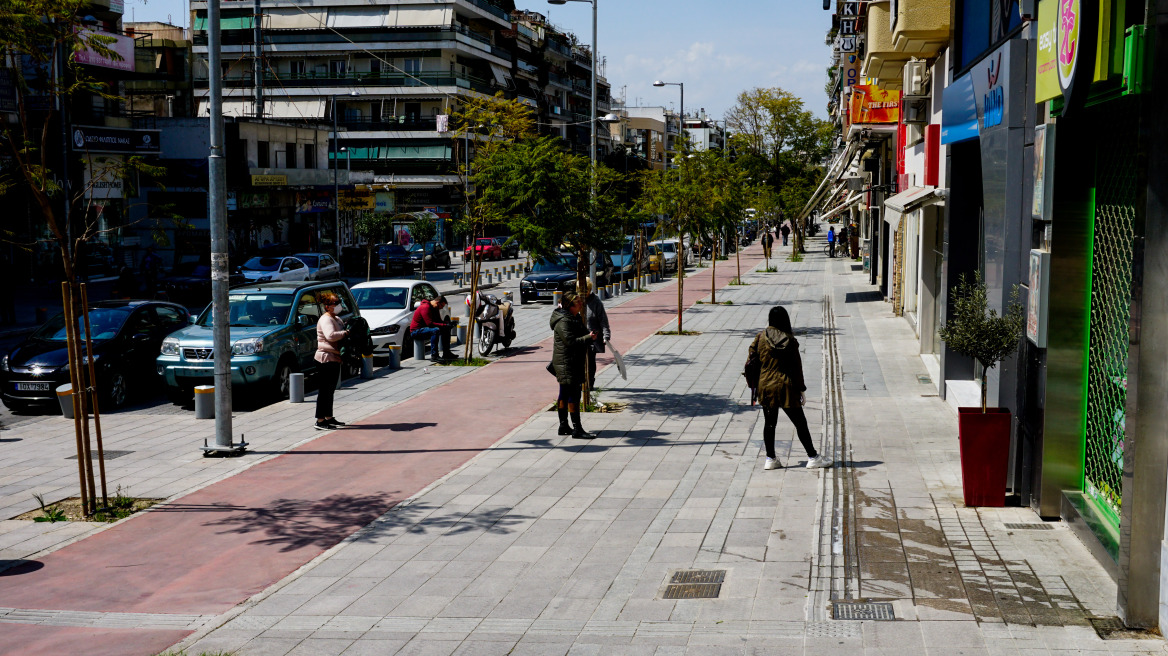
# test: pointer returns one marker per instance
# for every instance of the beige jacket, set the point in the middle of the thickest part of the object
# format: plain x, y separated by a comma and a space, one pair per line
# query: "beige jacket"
329, 332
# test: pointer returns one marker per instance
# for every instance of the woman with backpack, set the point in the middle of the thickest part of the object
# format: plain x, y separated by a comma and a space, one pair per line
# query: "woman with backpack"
780, 385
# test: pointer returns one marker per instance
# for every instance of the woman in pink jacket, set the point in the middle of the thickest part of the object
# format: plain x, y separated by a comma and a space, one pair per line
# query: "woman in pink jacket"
329, 333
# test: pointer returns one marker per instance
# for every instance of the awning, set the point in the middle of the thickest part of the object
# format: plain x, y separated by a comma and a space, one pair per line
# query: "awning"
357, 17
907, 201
395, 152
502, 75
294, 109
959, 111
231, 107
837, 168
225, 23
852, 200
416, 16
294, 19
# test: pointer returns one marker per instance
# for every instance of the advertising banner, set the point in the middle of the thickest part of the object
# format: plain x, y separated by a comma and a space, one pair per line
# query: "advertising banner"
871, 104
1046, 81
383, 202
122, 45
357, 200
94, 139
311, 202
269, 180
103, 177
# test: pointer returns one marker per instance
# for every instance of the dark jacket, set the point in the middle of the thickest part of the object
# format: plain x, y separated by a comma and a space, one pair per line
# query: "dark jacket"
780, 381
569, 353
598, 322
767, 238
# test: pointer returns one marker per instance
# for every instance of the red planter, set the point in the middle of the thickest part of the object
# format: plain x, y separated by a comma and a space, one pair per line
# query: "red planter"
985, 455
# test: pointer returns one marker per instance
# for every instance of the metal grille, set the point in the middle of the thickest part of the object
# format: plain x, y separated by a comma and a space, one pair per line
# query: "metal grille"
198, 353
1026, 526
108, 454
1111, 269
850, 610
699, 576
695, 584
1112, 628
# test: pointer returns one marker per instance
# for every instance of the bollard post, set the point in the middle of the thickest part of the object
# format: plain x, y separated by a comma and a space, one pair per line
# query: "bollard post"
455, 332
296, 388
65, 398
367, 366
556, 297
489, 279
509, 297
205, 402
419, 349
394, 357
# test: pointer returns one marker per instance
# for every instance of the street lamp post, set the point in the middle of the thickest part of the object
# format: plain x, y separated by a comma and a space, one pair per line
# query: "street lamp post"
681, 85
592, 121
336, 186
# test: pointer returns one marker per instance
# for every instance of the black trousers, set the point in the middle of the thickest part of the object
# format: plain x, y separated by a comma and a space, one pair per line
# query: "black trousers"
591, 369
329, 374
795, 414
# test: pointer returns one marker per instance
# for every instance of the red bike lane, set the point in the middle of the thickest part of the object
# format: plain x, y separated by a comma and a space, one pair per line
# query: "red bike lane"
208, 551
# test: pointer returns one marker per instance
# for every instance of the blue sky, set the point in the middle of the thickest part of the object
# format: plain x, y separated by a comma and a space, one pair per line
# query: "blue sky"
718, 48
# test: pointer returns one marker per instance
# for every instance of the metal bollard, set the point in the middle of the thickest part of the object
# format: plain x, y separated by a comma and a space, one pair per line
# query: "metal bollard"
366, 366
556, 297
458, 280
489, 279
205, 402
296, 388
509, 297
419, 349
394, 357
459, 331
65, 398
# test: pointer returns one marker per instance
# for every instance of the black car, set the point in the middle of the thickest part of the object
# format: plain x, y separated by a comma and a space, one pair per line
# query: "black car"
436, 255
558, 273
394, 260
509, 246
189, 283
127, 336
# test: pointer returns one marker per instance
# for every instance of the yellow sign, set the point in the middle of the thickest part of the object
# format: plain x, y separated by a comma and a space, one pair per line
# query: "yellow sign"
871, 104
357, 200
269, 180
1046, 79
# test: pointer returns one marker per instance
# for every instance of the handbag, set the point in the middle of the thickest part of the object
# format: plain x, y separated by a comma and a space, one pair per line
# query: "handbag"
551, 368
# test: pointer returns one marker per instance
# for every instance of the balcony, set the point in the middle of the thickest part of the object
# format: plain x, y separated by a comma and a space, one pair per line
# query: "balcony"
922, 27
347, 37
360, 79
882, 60
559, 80
560, 49
490, 9
390, 124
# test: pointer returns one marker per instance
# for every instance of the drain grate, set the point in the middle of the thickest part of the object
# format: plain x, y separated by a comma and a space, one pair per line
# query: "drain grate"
109, 454
695, 584
1112, 628
848, 610
1028, 526
833, 630
924, 380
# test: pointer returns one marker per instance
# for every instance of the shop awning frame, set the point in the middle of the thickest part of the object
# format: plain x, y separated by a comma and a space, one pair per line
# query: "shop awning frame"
909, 200
855, 198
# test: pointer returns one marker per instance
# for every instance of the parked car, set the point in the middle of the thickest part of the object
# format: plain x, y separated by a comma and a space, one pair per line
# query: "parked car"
671, 249
508, 247
273, 334
97, 259
268, 269
126, 336
394, 260
624, 261
189, 283
388, 306
436, 255
558, 273
485, 249
656, 258
321, 266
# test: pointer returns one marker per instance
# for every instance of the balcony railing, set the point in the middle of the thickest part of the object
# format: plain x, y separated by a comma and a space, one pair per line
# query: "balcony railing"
564, 50
323, 37
392, 124
354, 78
490, 8
556, 78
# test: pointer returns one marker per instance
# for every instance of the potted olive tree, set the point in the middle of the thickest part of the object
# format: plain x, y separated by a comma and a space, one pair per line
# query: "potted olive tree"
981, 333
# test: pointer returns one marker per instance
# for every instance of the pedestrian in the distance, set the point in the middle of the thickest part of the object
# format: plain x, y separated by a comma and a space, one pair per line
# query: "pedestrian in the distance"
843, 239
329, 333
569, 357
781, 386
597, 323
831, 241
785, 230
767, 240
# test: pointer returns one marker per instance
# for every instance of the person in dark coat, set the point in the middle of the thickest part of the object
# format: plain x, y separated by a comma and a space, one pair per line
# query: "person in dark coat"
597, 323
569, 358
780, 385
785, 230
767, 241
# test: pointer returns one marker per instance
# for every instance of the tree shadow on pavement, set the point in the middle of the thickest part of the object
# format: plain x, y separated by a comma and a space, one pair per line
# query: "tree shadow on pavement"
416, 518
690, 404
655, 360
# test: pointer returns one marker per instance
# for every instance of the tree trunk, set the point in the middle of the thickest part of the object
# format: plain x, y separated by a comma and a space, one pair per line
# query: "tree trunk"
368, 261
985, 372
738, 259
714, 272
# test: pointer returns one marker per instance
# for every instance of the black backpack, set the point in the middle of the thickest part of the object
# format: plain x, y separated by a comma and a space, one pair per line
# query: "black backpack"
752, 370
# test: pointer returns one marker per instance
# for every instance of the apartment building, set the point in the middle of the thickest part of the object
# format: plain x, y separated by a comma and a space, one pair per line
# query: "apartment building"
650, 133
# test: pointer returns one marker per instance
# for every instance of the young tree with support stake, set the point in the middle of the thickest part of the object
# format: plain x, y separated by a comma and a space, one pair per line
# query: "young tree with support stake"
373, 228
423, 230
42, 38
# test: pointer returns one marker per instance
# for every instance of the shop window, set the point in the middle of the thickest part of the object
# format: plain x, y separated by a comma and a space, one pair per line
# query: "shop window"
297, 68
263, 154
290, 155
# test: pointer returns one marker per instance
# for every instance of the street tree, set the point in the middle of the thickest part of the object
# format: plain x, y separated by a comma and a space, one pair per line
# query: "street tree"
373, 227
423, 229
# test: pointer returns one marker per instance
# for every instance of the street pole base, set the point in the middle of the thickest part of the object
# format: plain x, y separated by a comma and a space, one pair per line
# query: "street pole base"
229, 451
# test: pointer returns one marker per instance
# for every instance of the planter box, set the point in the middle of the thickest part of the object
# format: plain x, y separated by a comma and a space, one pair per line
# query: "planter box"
985, 455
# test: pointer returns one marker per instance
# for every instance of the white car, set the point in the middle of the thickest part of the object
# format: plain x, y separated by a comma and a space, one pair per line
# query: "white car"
321, 266
270, 269
388, 305
670, 248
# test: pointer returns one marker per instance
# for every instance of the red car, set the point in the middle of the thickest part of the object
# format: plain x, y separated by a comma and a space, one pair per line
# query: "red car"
485, 249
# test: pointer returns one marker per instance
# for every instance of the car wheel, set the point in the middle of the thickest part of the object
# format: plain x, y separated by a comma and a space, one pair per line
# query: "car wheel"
117, 390
282, 380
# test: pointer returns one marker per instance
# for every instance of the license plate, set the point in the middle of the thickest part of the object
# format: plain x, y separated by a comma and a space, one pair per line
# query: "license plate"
547, 294
33, 387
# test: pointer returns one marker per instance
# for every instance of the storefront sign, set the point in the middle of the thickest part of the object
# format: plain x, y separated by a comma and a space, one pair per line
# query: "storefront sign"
1044, 136
253, 201
357, 200
1036, 302
310, 202
93, 139
269, 180
123, 46
871, 104
383, 202
1065, 62
103, 177
1046, 83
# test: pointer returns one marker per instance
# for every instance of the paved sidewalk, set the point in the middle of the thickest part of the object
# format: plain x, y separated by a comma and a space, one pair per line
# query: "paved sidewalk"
298, 507
546, 545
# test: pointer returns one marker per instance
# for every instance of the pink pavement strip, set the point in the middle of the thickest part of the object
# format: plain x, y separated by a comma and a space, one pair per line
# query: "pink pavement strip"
213, 549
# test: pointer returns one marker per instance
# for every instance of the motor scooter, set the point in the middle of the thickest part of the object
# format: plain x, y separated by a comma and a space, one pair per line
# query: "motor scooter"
496, 320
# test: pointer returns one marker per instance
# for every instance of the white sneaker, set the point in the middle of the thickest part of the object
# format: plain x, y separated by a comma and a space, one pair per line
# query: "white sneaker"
818, 462
771, 463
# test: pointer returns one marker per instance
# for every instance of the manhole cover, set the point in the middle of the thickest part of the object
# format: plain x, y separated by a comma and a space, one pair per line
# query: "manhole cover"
109, 455
1025, 526
833, 630
1111, 628
695, 584
847, 610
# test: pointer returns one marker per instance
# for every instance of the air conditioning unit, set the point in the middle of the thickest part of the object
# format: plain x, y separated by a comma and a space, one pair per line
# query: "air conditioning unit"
915, 74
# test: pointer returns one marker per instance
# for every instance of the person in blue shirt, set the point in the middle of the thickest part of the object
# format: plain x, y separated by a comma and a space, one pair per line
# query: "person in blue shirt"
831, 241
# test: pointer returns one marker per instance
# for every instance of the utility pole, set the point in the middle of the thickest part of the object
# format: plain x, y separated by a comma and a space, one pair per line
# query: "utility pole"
217, 212
258, 59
